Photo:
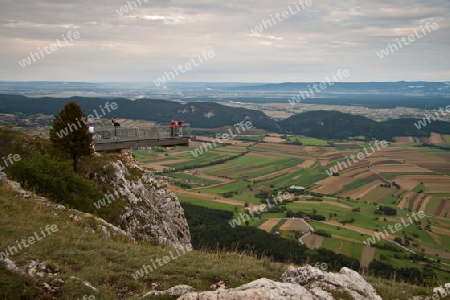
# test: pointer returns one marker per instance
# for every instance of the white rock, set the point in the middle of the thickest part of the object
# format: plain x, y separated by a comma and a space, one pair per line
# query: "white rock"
173, 291
260, 289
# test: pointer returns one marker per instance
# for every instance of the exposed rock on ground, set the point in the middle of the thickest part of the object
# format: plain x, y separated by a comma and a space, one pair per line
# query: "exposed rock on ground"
306, 283
259, 289
174, 291
323, 284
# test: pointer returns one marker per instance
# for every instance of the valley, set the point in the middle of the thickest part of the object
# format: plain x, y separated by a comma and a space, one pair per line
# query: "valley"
404, 176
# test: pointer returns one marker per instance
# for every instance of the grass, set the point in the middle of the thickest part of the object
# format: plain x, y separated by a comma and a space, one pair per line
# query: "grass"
393, 198
108, 263
354, 185
392, 175
446, 138
419, 187
196, 179
209, 156
206, 203
307, 141
306, 178
247, 167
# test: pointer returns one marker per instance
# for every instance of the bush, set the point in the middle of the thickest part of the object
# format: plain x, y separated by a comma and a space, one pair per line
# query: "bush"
388, 211
56, 180
322, 233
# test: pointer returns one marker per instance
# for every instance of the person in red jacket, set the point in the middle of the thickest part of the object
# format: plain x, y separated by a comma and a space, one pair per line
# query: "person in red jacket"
172, 126
180, 127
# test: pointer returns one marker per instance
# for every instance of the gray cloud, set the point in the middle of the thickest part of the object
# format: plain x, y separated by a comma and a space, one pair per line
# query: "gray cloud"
153, 37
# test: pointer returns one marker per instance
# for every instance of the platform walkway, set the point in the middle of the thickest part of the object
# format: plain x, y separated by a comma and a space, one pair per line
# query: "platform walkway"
108, 138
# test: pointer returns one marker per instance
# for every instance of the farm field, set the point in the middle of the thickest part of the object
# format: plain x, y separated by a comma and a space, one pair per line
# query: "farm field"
401, 176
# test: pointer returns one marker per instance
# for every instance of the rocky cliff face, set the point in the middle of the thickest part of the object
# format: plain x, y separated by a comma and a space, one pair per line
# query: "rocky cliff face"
152, 212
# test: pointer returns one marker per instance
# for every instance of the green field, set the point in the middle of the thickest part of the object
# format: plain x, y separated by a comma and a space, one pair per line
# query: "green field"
247, 167
392, 175
354, 185
307, 141
446, 138
196, 179
206, 203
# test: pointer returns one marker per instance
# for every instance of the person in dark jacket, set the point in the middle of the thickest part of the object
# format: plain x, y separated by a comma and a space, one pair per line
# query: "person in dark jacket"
172, 127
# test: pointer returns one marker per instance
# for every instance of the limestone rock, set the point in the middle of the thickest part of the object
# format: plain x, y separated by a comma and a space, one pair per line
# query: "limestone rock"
218, 286
3, 178
105, 233
322, 284
260, 289
173, 291
126, 155
306, 283
85, 283
15, 186
152, 213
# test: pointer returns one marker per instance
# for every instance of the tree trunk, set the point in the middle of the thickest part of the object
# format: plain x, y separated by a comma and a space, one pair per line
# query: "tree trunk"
74, 162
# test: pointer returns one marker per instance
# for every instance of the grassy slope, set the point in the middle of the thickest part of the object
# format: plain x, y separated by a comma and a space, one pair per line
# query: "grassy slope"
107, 263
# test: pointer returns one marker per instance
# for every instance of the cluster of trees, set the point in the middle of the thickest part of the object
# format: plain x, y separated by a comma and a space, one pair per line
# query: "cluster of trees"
313, 215
210, 229
387, 246
348, 221
277, 209
322, 233
386, 210
397, 186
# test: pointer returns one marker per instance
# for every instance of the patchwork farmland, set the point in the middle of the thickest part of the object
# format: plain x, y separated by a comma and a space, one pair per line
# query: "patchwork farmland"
401, 176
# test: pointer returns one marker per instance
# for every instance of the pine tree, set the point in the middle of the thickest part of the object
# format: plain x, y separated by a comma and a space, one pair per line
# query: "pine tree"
70, 134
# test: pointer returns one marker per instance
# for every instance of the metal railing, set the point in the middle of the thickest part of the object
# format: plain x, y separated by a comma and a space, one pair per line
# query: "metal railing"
115, 134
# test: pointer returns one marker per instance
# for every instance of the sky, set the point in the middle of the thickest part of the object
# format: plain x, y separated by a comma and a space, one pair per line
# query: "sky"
300, 41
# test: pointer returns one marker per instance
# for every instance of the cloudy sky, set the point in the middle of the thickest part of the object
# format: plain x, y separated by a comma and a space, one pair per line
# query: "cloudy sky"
308, 44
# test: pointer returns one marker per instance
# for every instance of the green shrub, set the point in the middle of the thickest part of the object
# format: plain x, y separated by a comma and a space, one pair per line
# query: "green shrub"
56, 180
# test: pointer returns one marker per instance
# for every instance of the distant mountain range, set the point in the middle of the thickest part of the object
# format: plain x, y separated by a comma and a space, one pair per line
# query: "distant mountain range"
320, 124
416, 94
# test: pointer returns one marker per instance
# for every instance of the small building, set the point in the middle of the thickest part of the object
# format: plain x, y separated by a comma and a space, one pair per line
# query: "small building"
296, 189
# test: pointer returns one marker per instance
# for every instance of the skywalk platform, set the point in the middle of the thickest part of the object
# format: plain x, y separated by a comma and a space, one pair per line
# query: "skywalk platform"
116, 138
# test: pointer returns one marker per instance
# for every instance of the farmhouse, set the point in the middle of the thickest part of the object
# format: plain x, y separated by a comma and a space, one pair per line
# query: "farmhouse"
296, 189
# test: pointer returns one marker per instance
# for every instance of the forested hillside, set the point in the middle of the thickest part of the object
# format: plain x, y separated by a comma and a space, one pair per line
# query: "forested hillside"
337, 125
199, 114
320, 124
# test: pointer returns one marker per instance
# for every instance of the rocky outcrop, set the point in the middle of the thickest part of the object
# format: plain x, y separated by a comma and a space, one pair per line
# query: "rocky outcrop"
306, 283
174, 291
324, 285
152, 212
259, 289
126, 155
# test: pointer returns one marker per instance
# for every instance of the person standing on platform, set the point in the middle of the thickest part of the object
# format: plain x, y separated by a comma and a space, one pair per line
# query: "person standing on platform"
180, 128
91, 129
172, 127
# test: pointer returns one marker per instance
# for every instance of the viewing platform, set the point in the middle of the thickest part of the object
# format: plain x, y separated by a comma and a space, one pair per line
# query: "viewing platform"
108, 138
